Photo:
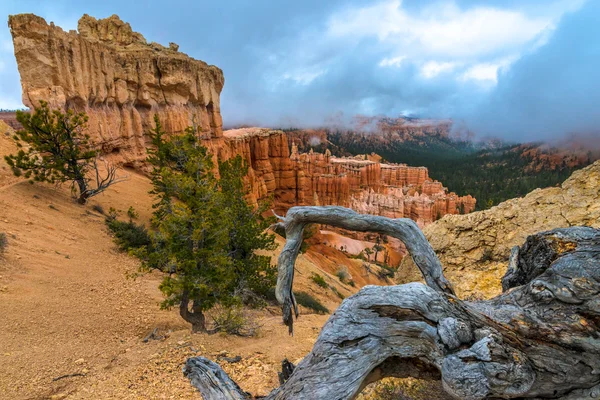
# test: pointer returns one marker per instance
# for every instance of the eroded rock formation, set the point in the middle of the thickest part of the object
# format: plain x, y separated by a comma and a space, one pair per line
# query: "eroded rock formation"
10, 119
293, 178
116, 77
121, 81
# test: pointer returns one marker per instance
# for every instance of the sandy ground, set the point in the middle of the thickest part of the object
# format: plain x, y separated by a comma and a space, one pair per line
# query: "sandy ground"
69, 308
72, 319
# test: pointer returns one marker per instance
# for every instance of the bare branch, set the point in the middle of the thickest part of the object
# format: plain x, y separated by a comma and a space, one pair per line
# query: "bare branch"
104, 182
402, 228
279, 217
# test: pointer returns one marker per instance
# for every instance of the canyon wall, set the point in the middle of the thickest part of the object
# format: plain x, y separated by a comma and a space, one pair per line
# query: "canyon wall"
10, 119
293, 178
121, 81
116, 77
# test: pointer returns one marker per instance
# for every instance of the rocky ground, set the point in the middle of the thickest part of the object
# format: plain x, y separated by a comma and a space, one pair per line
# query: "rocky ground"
474, 248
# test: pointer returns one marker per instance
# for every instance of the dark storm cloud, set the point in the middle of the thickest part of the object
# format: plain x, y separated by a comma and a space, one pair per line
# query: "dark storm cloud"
553, 91
299, 63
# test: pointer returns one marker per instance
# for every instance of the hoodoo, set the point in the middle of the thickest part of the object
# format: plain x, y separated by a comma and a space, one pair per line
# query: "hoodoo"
116, 77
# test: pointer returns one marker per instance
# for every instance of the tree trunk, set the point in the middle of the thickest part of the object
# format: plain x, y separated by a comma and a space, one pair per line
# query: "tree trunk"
195, 317
540, 339
83, 192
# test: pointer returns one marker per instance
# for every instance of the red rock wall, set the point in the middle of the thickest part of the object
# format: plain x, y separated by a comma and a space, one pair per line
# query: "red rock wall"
10, 118
292, 178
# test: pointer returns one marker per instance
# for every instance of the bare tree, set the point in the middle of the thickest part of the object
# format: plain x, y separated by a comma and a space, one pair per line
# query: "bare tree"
539, 339
103, 180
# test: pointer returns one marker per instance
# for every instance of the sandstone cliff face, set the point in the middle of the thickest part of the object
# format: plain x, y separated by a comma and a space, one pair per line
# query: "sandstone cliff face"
474, 248
116, 77
10, 119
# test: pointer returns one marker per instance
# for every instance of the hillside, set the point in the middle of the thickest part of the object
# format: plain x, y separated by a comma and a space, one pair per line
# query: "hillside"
73, 322
474, 248
495, 175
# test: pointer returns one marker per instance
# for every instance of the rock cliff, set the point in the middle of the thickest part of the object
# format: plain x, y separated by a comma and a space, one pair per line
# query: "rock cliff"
121, 81
10, 119
293, 178
116, 77
474, 248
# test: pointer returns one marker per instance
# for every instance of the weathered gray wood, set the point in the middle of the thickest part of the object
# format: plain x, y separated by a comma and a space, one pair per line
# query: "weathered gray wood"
212, 382
287, 369
540, 339
403, 229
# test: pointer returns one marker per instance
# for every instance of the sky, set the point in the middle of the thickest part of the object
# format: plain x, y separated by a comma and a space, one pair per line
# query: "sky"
519, 69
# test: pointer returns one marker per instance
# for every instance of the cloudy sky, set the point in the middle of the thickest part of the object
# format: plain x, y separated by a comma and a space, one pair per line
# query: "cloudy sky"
521, 69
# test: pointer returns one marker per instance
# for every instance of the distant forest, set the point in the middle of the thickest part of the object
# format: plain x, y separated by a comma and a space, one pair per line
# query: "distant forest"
490, 175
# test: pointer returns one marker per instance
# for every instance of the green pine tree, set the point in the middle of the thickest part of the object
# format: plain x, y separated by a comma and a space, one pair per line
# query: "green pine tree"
205, 236
248, 234
190, 241
54, 148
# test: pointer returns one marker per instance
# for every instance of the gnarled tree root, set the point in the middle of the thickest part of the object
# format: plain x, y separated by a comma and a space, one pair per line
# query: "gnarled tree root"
539, 339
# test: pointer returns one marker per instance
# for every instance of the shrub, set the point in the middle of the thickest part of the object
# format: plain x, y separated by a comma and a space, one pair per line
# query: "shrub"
113, 213
319, 280
132, 213
128, 235
308, 301
342, 274
385, 272
337, 292
233, 321
359, 256
3, 242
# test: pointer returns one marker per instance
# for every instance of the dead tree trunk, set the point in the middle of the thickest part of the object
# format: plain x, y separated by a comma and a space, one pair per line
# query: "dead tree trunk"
540, 339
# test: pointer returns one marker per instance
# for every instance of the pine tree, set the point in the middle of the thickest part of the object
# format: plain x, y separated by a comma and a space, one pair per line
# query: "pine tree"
190, 240
368, 252
54, 148
247, 231
205, 236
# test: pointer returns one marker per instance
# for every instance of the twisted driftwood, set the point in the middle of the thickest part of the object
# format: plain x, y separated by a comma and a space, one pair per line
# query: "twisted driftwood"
540, 339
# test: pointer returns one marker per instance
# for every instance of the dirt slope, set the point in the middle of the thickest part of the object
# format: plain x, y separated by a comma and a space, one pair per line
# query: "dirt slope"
73, 322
